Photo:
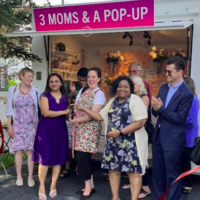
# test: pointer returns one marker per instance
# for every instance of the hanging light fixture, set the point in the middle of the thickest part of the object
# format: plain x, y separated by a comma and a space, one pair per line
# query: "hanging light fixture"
131, 42
146, 35
127, 34
124, 36
149, 42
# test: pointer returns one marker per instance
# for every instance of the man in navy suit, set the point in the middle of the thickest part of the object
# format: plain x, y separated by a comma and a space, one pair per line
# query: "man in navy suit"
171, 106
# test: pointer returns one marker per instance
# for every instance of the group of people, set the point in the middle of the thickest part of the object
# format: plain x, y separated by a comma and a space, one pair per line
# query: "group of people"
125, 120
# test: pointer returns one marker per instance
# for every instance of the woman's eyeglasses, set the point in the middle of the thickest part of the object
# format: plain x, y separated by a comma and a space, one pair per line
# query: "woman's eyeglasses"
133, 71
82, 80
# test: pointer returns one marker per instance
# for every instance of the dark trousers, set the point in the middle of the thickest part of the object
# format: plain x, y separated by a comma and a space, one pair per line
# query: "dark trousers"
145, 178
83, 160
166, 168
186, 165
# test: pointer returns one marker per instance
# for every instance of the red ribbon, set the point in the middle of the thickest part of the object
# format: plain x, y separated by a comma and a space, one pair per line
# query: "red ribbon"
74, 133
162, 197
2, 138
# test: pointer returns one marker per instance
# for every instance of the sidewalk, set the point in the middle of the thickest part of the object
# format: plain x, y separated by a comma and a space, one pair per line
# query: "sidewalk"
67, 187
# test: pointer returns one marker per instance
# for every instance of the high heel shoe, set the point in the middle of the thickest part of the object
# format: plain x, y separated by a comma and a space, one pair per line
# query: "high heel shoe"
81, 191
83, 197
53, 193
42, 196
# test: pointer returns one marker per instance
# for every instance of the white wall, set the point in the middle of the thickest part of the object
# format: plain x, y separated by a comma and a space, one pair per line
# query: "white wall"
39, 49
195, 72
69, 41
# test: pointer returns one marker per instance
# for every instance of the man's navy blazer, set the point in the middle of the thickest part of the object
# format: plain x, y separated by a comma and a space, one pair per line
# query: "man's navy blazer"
172, 119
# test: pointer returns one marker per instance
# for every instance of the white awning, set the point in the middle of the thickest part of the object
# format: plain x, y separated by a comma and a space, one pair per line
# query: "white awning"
157, 26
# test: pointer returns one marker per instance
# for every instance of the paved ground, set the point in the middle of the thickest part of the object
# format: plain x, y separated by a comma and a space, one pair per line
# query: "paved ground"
67, 187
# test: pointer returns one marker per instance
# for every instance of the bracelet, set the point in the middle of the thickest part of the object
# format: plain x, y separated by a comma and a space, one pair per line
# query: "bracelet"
120, 133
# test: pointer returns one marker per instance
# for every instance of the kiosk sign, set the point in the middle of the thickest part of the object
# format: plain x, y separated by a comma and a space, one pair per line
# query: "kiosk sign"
126, 14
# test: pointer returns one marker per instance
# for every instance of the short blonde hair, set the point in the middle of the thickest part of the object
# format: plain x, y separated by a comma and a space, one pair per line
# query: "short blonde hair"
25, 70
140, 82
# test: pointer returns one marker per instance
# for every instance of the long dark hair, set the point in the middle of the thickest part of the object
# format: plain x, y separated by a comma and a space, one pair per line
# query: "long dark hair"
190, 83
62, 88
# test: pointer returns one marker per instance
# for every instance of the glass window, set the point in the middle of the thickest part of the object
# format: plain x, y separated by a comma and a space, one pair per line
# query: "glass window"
9, 76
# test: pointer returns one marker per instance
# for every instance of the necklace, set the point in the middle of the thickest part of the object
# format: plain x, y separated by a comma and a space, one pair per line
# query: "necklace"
57, 98
23, 92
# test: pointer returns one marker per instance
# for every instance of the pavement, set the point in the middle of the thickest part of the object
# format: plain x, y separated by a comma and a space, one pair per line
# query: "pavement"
66, 187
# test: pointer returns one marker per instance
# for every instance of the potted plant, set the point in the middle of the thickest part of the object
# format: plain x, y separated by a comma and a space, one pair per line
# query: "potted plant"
158, 56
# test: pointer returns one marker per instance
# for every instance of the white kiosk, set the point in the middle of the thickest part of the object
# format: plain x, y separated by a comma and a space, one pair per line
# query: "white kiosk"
50, 28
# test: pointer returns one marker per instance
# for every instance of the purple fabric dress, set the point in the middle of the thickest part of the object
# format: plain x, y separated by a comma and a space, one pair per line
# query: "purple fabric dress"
51, 141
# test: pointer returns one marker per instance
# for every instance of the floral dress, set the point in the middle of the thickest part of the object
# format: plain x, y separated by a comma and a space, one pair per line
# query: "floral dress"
121, 153
24, 125
87, 133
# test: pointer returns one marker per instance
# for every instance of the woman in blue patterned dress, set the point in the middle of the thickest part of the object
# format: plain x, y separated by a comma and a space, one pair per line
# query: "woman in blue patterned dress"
22, 110
126, 139
140, 90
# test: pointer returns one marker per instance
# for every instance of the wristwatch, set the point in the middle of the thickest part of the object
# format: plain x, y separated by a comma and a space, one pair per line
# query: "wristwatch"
120, 133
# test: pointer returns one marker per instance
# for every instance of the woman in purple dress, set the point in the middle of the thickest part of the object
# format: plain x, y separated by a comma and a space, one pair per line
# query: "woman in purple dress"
51, 141
192, 129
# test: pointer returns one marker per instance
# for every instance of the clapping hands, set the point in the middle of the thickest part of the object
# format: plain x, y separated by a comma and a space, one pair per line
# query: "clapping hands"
156, 103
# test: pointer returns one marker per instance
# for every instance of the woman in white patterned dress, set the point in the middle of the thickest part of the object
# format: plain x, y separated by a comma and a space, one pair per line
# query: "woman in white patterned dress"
22, 120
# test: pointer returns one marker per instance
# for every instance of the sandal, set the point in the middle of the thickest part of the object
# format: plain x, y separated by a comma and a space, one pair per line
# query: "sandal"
82, 191
144, 192
64, 173
186, 190
42, 196
53, 193
126, 186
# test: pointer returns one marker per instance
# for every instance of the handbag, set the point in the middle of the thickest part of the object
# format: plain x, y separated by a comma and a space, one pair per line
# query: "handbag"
195, 155
39, 110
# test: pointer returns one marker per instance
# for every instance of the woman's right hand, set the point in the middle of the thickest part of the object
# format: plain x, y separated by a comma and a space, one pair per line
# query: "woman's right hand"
10, 131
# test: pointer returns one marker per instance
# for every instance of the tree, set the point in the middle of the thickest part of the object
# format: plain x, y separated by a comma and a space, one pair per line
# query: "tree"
15, 15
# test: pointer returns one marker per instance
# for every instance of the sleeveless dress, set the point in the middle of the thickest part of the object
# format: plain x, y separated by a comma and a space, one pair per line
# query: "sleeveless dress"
121, 153
87, 133
24, 125
51, 141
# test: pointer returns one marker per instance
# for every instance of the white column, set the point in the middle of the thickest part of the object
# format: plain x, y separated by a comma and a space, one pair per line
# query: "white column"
195, 65
39, 49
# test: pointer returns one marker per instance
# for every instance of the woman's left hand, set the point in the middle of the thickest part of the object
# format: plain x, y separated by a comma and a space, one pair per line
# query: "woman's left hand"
113, 134
77, 107
73, 121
